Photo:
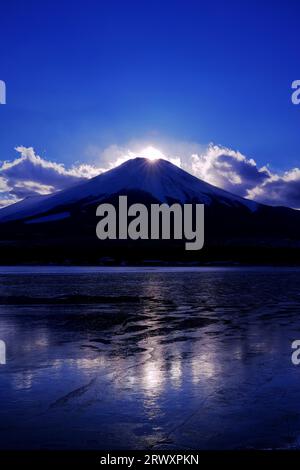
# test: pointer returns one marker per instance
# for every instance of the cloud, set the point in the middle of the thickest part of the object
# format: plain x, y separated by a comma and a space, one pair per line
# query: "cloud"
228, 169
29, 174
240, 175
279, 190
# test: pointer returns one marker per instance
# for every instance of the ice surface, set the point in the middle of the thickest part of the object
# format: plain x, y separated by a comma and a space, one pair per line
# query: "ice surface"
188, 360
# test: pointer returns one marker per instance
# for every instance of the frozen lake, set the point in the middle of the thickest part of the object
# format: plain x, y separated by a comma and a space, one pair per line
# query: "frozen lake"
150, 358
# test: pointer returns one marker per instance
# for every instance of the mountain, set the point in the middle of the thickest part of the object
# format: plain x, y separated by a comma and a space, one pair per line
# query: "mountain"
159, 178
61, 227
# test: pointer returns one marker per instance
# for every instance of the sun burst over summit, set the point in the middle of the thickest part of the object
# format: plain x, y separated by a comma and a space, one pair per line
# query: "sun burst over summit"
151, 153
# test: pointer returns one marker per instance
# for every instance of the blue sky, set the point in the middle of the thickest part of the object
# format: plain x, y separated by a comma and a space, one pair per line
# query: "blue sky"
83, 76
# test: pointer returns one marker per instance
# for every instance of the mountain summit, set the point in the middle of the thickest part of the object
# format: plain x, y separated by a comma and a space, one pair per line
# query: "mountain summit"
160, 179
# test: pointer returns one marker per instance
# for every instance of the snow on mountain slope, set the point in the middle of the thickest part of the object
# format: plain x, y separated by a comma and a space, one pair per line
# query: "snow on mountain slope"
160, 178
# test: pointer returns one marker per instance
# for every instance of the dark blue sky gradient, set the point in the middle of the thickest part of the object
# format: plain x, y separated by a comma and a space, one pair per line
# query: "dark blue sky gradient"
103, 72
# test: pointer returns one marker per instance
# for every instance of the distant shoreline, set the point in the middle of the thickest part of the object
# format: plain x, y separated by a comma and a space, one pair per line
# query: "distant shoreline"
60, 269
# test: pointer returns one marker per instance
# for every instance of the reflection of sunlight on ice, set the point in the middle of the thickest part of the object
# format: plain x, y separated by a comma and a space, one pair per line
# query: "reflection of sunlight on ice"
40, 341
23, 380
86, 365
153, 377
176, 373
238, 352
203, 366
131, 379
153, 289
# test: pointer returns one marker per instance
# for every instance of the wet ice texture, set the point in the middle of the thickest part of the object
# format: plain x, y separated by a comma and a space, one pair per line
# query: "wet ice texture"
151, 360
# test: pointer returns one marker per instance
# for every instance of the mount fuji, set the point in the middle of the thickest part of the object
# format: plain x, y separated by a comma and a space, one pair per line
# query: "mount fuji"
61, 227
159, 178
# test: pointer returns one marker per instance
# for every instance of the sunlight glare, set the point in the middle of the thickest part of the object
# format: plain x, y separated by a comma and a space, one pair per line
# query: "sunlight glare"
151, 153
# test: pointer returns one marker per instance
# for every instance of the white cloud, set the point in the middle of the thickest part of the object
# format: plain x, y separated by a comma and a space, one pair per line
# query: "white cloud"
7, 200
281, 190
29, 174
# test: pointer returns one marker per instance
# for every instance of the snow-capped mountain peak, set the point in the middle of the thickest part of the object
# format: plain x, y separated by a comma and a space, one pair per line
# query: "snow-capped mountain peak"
160, 178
